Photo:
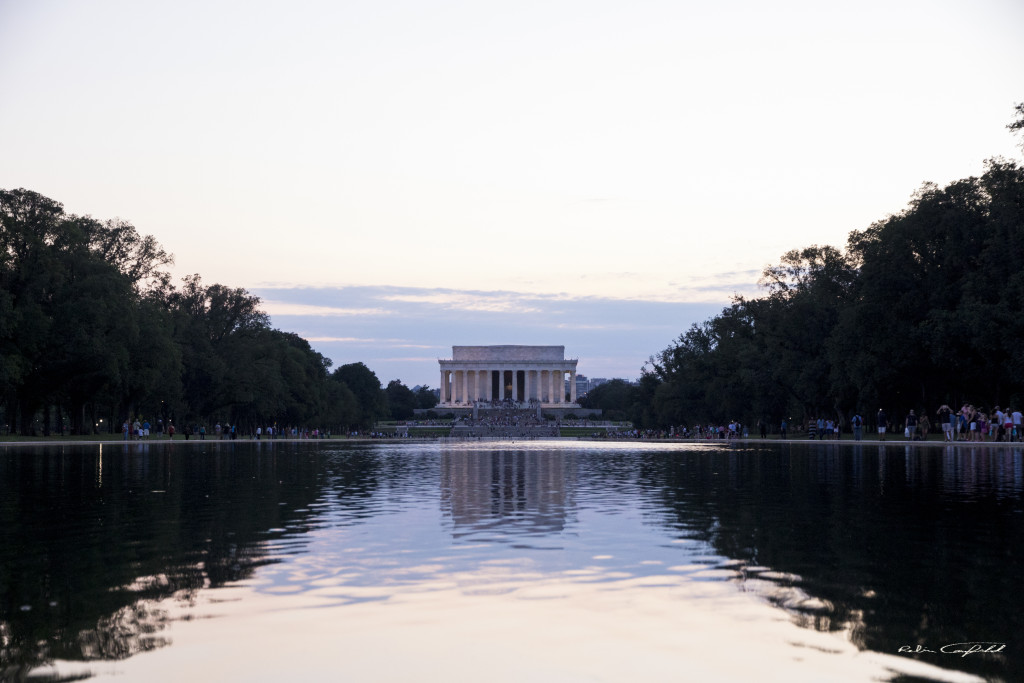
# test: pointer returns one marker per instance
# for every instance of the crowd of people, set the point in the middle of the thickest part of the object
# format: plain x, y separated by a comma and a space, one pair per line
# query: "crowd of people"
141, 429
969, 423
510, 419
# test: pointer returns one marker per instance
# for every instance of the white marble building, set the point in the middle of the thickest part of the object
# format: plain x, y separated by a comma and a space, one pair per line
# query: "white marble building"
523, 374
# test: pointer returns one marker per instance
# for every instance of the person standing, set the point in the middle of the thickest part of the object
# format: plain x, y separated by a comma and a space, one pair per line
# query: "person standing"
858, 426
882, 423
972, 421
911, 426
945, 414
782, 428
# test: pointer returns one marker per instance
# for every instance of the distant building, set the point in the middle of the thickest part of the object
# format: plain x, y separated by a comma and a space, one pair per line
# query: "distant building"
582, 385
522, 374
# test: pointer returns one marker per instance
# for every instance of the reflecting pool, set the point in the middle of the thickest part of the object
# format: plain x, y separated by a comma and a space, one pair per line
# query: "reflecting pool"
511, 561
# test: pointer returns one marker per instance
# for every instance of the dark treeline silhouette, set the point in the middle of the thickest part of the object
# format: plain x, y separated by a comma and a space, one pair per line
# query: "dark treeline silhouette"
923, 308
93, 333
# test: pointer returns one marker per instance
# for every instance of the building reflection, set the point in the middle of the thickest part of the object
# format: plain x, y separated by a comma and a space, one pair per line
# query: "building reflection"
518, 491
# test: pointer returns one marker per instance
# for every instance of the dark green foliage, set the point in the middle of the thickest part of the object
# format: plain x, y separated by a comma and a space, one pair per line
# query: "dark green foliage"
93, 332
616, 398
425, 398
401, 400
923, 308
371, 401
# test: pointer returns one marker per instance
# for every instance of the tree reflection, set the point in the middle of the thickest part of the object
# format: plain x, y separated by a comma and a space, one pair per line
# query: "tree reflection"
92, 541
896, 546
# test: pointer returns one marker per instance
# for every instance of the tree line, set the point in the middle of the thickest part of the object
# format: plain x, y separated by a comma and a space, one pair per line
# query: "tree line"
922, 308
94, 332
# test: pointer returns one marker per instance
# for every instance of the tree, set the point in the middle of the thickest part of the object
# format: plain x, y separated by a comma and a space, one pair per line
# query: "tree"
219, 330
614, 397
425, 398
29, 227
342, 407
371, 400
401, 400
1017, 125
921, 308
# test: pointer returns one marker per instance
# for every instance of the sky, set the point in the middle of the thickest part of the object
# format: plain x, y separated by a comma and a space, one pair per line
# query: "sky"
393, 178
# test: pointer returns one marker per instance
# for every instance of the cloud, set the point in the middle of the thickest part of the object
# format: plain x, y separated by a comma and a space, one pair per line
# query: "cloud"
602, 327
389, 343
283, 308
485, 302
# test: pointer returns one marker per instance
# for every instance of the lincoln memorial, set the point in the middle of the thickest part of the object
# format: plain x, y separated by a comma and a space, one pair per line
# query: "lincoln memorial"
523, 374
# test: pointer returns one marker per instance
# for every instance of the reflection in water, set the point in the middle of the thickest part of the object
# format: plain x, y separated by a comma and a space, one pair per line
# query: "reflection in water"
527, 493
92, 538
601, 561
897, 548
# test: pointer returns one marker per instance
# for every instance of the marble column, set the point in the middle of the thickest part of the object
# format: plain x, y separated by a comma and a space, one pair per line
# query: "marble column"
515, 384
572, 386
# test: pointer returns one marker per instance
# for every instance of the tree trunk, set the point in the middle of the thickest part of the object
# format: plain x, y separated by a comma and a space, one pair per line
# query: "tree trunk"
25, 418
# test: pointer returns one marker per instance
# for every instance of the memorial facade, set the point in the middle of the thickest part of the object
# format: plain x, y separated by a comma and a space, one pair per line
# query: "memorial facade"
521, 374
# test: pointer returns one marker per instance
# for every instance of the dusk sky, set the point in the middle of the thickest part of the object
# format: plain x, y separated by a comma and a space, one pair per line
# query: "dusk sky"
394, 178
